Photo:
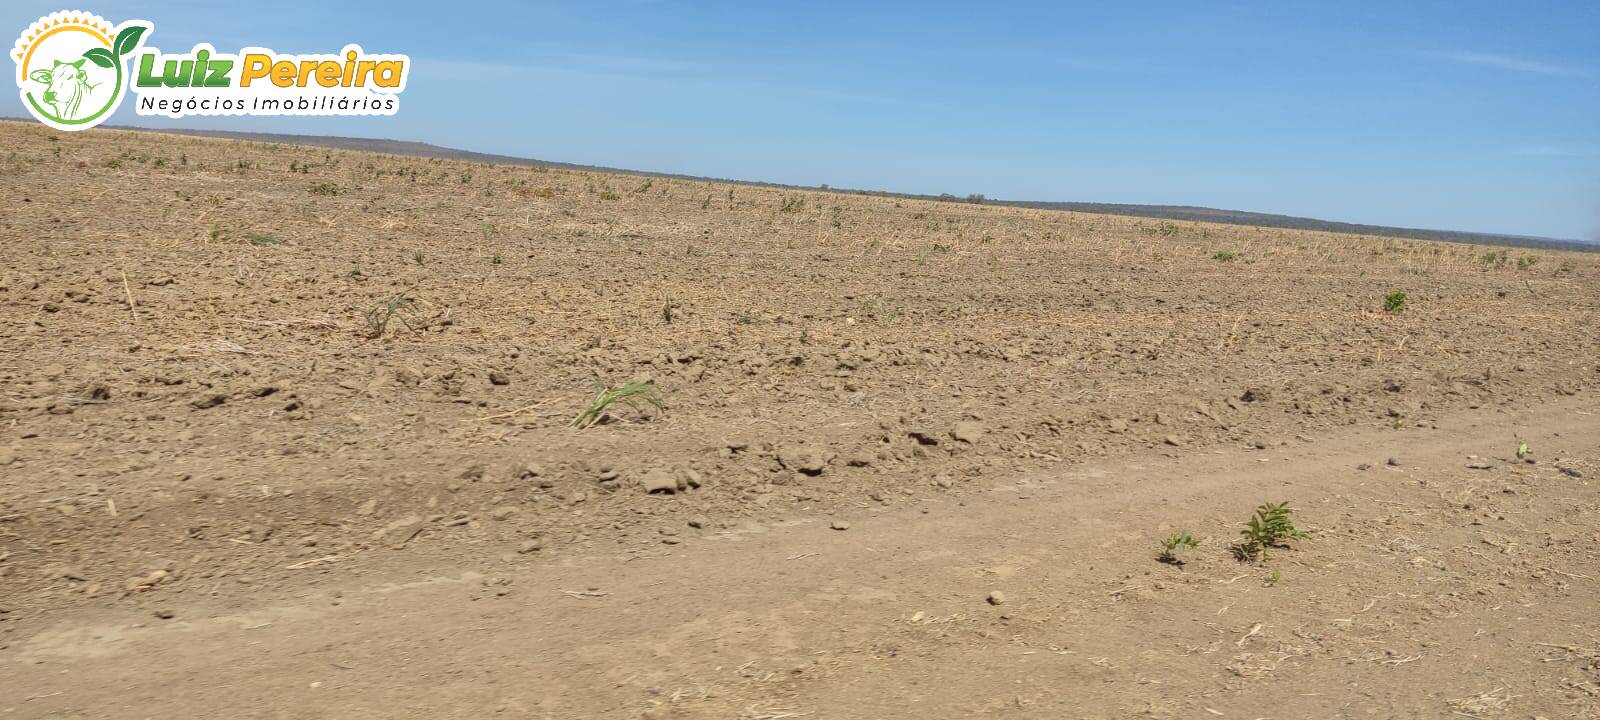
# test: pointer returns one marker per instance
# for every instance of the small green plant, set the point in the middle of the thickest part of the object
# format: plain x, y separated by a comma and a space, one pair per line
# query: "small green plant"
1526, 261
1395, 302
325, 188
1224, 255
378, 318
417, 257
608, 195
1175, 542
1272, 526
496, 259
792, 204
1523, 453
262, 239
1495, 259
743, 317
1273, 578
632, 394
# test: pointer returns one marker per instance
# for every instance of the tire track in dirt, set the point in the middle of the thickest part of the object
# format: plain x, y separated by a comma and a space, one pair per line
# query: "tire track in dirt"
1425, 586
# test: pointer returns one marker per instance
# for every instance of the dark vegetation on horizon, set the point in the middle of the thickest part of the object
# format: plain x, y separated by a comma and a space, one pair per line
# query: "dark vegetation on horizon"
1164, 212
1255, 219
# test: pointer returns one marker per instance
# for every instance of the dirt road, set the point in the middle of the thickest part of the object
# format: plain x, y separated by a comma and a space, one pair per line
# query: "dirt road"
1427, 589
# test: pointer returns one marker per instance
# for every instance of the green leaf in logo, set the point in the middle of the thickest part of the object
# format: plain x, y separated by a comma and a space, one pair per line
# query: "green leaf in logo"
101, 56
128, 39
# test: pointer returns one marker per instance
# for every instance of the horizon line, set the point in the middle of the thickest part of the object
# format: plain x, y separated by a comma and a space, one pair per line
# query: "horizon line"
517, 159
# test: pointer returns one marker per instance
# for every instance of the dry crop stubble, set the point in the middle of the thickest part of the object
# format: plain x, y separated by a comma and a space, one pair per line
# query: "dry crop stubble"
227, 397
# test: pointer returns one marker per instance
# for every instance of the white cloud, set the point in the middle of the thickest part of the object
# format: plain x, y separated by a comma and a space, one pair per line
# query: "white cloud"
1505, 62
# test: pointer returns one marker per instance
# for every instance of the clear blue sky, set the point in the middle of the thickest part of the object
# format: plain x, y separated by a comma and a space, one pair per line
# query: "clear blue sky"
1459, 114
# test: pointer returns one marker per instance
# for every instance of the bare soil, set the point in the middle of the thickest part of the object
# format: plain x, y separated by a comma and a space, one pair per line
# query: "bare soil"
286, 432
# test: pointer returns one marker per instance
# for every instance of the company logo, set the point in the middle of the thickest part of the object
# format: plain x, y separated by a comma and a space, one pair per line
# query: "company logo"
73, 69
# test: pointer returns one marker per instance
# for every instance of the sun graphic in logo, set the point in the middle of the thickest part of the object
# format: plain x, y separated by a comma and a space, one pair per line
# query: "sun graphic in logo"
71, 67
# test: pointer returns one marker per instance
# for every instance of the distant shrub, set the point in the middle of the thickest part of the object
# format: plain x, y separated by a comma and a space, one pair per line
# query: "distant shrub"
1395, 302
1164, 229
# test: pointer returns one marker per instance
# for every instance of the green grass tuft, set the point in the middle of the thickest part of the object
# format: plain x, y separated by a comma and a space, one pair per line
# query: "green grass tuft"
378, 318
631, 394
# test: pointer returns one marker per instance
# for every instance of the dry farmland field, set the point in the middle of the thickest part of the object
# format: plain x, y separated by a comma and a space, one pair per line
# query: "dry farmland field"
288, 432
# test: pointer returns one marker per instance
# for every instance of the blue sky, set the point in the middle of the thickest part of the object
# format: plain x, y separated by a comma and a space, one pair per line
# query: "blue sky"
1459, 115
